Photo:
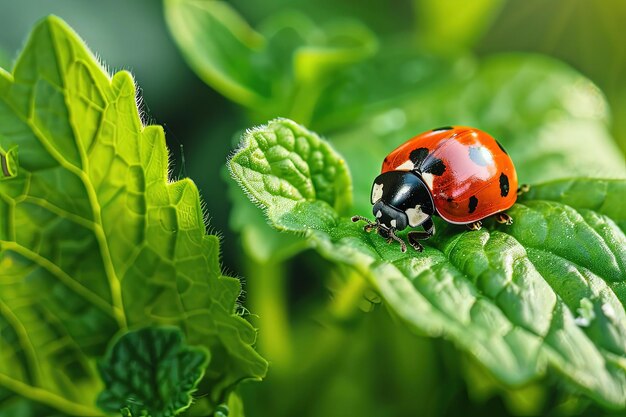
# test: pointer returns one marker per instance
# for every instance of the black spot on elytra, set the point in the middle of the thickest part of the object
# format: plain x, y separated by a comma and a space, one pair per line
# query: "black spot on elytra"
473, 202
449, 199
443, 128
479, 155
501, 148
504, 185
436, 167
418, 155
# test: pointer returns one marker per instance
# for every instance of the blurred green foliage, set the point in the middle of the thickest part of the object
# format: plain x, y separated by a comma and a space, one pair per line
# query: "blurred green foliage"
586, 34
395, 69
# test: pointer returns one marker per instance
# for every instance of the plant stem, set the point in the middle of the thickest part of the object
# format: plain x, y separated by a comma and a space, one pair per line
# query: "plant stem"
267, 296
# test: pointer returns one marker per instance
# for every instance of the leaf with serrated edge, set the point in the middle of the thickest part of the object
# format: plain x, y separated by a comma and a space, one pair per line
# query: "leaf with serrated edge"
290, 165
507, 295
93, 237
151, 371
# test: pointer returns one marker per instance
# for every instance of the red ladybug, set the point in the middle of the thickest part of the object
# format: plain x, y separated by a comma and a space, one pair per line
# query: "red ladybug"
459, 173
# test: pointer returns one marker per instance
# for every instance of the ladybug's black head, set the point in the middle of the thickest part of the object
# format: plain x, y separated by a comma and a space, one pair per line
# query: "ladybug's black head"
400, 199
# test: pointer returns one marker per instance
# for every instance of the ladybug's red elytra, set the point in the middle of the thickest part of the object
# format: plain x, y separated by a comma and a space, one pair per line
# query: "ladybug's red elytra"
458, 173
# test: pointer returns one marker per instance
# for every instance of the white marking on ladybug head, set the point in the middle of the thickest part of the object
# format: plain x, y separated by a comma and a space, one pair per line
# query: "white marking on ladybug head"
379, 214
377, 192
416, 216
393, 223
408, 165
428, 179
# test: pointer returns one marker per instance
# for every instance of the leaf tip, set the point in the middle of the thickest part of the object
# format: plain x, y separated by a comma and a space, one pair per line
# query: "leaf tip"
52, 20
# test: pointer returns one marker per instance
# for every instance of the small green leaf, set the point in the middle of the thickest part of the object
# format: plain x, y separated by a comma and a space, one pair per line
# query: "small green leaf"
261, 242
508, 295
151, 372
94, 236
290, 165
221, 46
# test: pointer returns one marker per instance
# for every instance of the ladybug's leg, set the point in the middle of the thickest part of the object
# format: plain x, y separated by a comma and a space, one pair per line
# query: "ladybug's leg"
429, 230
524, 188
477, 225
503, 218
414, 236
392, 236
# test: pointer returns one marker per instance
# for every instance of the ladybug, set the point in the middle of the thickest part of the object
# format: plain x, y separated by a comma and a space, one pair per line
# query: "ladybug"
458, 173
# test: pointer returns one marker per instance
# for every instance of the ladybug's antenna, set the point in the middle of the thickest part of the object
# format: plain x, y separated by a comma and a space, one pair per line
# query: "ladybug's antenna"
365, 219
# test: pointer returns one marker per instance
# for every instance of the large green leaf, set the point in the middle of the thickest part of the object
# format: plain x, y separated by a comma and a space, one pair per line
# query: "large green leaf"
152, 372
94, 237
510, 296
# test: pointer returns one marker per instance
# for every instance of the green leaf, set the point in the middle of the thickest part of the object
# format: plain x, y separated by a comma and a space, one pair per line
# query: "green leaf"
94, 237
602, 196
221, 46
509, 296
314, 173
280, 69
290, 165
151, 372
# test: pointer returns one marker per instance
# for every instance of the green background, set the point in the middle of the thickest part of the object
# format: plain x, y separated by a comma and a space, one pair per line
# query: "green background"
327, 357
